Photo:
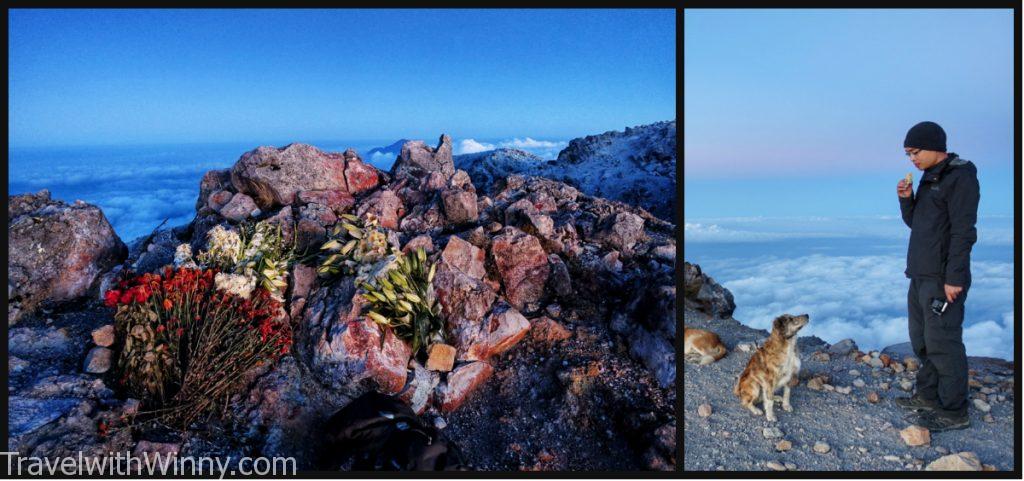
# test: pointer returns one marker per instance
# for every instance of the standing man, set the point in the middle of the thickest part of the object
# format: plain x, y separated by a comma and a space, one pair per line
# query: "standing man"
941, 217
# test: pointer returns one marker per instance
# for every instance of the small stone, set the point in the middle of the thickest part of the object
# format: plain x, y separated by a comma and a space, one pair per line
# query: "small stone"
441, 357
553, 310
821, 357
873, 397
854, 373
886, 360
783, 445
843, 389
988, 418
858, 383
704, 410
987, 390
912, 363
771, 432
822, 448
842, 348
815, 384
941, 450
897, 367
862, 450
963, 461
876, 363
744, 347
906, 385
104, 336
775, 466
891, 458
440, 423
131, 406
790, 466
829, 387
982, 406
916, 436
98, 360
884, 386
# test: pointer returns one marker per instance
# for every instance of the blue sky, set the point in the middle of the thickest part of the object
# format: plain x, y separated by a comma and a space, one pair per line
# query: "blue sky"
81, 77
797, 112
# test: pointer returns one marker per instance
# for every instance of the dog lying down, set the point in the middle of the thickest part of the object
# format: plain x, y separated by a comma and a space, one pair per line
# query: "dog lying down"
772, 366
703, 347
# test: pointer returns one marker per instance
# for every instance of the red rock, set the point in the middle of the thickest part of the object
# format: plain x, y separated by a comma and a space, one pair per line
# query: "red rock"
286, 221
361, 177
386, 366
302, 280
56, 252
321, 214
464, 299
441, 357
219, 199
543, 202
239, 208
433, 181
338, 201
272, 176
416, 159
464, 257
549, 331
522, 264
620, 231
212, 181
916, 436
421, 241
386, 206
461, 383
459, 206
103, 336
504, 328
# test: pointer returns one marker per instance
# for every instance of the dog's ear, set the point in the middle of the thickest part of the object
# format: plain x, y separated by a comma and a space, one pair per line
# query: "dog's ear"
779, 324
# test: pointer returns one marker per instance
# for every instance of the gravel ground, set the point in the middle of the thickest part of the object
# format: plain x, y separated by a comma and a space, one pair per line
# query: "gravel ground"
861, 436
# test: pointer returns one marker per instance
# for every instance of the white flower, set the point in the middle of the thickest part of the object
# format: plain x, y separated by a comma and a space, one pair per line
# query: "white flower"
239, 285
183, 257
223, 248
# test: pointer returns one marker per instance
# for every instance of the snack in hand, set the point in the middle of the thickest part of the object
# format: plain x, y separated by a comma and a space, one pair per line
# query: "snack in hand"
910, 178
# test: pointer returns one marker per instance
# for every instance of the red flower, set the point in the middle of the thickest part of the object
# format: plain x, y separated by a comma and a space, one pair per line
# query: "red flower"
141, 294
168, 304
160, 328
111, 298
180, 331
126, 297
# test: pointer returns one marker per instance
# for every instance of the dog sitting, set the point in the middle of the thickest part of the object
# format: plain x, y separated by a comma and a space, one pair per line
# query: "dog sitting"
772, 367
704, 346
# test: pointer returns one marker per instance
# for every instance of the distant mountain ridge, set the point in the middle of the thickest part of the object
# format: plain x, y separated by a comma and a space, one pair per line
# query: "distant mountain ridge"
636, 166
395, 148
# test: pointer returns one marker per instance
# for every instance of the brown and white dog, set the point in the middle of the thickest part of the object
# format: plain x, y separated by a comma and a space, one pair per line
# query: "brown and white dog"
703, 345
772, 367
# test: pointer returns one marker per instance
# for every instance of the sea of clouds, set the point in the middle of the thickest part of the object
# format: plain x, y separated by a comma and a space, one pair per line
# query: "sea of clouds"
138, 187
847, 273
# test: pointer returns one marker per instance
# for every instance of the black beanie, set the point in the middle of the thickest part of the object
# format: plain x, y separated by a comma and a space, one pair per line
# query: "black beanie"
926, 136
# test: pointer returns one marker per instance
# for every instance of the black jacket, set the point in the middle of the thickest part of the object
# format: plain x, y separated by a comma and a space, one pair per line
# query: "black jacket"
941, 217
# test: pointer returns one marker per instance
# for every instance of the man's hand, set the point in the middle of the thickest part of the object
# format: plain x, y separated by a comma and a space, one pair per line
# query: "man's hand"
952, 292
904, 189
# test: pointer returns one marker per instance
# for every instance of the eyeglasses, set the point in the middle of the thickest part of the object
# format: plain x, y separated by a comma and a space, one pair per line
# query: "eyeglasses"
913, 152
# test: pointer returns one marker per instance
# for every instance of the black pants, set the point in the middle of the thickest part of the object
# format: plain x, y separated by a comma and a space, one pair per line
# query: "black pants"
938, 343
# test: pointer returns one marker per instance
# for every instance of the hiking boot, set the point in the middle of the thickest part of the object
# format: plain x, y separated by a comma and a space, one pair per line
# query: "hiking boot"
938, 423
917, 404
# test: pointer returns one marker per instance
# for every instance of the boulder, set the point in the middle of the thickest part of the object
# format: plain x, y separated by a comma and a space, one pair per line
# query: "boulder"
464, 257
273, 176
916, 436
419, 242
418, 393
441, 357
56, 252
963, 461
339, 201
219, 199
462, 382
549, 331
501, 330
359, 176
559, 280
103, 336
240, 207
417, 159
357, 346
386, 205
459, 206
620, 231
522, 264
212, 181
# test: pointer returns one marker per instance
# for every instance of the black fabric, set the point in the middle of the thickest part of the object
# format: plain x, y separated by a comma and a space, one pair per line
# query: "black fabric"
941, 216
927, 136
377, 432
938, 343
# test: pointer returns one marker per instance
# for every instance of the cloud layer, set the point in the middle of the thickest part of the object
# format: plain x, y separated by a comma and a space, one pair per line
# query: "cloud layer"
862, 297
546, 149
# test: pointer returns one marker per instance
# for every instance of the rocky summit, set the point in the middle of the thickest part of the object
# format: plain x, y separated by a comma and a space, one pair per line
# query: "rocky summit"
636, 166
558, 309
844, 416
